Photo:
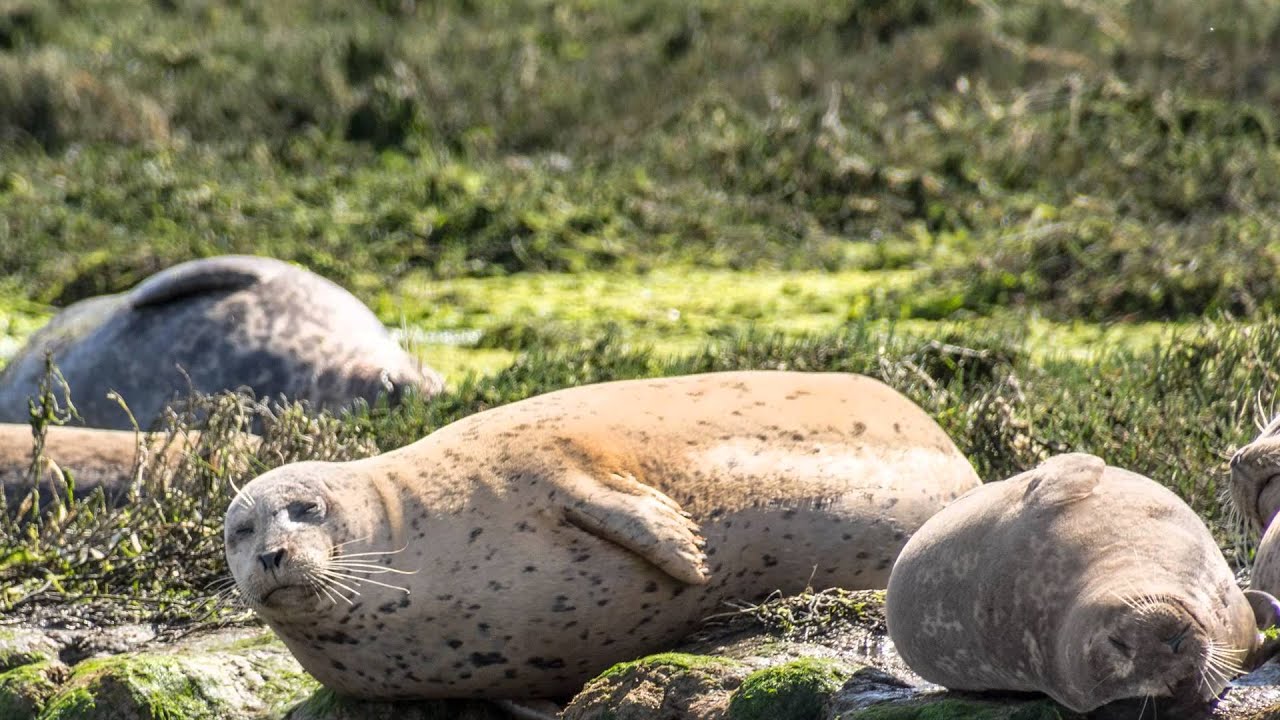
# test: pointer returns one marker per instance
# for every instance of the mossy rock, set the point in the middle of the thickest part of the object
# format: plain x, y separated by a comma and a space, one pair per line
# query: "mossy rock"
22, 647
965, 710
325, 704
25, 690
151, 686
666, 686
798, 690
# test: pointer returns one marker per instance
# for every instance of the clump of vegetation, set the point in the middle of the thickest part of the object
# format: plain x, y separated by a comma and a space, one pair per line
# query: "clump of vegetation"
158, 556
791, 691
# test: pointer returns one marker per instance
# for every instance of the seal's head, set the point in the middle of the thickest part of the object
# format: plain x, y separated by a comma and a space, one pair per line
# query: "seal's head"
281, 535
1255, 478
1160, 645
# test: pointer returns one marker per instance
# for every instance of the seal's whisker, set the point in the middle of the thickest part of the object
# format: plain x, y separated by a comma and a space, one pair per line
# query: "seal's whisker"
366, 538
370, 568
328, 592
372, 553
331, 574
334, 581
1229, 660
1128, 601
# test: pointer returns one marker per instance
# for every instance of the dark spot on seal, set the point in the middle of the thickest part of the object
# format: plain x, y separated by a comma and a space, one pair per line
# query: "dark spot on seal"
561, 604
455, 644
387, 607
862, 554
546, 664
486, 659
651, 586
475, 533
338, 666
769, 560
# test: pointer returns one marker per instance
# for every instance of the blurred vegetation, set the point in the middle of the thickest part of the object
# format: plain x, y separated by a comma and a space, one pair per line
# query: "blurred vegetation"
1104, 160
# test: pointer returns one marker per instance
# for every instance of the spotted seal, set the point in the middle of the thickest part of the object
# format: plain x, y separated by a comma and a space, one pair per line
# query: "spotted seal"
1085, 582
210, 325
517, 552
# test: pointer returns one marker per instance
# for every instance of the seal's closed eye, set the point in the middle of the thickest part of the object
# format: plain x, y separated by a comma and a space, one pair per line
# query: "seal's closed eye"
305, 511
243, 531
1119, 644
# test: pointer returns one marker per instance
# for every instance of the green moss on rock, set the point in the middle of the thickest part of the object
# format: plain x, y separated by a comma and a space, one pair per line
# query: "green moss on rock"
134, 686
18, 648
25, 690
673, 660
797, 690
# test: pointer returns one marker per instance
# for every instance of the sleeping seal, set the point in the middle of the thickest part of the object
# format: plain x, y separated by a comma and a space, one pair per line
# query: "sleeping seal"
1085, 582
211, 325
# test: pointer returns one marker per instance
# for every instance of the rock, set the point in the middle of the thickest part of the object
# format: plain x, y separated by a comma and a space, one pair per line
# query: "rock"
816, 656
26, 689
251, 678
668, 686
20, 647
795, 690
826, 656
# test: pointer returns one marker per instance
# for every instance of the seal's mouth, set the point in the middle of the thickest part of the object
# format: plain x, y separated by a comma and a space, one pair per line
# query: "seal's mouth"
282, 594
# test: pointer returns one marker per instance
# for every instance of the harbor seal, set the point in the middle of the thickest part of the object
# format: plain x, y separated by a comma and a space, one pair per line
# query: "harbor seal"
537, 543
1255, 480
1085, 582
211, 325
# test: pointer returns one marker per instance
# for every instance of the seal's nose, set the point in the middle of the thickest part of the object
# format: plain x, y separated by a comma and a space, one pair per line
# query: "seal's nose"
271, 560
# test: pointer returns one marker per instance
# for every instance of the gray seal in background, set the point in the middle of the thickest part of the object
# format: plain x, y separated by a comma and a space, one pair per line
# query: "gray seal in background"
222, 323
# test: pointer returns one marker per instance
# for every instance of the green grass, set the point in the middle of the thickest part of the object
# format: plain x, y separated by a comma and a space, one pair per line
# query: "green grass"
1050, 223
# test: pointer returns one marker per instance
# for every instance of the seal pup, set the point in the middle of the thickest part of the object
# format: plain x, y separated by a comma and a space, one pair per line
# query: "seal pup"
519, 551
1255, 479
1085, 582
211, 325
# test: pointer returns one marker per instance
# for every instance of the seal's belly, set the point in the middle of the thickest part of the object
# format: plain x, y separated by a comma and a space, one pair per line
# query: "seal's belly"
540, 617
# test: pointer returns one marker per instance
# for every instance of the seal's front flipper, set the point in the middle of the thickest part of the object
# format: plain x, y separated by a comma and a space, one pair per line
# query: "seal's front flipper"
1266, 614
641, 519
1063, 479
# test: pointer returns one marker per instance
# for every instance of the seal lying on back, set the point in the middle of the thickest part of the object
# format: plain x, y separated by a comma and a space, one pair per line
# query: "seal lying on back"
212, 325
537, 543
1085, 582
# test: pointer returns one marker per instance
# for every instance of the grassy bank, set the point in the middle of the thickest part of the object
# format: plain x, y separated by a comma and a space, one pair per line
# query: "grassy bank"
1050, 222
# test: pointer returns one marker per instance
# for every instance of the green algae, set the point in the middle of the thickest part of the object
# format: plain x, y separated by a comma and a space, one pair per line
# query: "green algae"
798, 690
149, 686
25, 690
672, 660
